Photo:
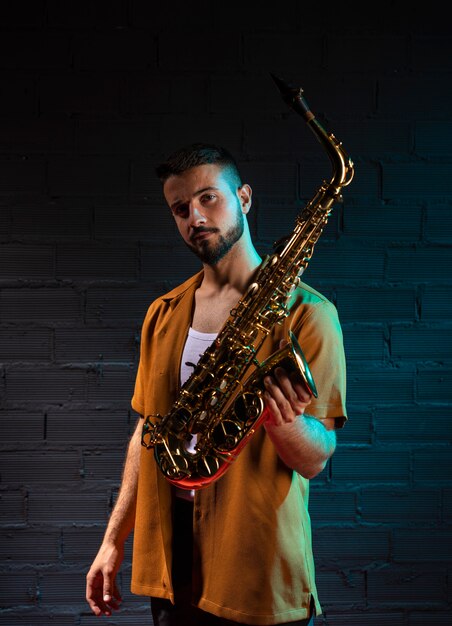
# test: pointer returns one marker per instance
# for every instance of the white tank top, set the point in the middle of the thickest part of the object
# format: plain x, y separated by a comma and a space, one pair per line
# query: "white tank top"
195, 345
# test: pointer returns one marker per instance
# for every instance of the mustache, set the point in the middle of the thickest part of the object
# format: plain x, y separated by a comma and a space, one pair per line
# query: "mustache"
197, 230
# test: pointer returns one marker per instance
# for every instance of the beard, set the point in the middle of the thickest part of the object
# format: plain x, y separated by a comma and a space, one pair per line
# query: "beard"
211, 253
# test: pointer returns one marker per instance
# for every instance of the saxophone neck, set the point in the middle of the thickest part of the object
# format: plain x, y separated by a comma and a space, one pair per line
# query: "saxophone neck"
343, 169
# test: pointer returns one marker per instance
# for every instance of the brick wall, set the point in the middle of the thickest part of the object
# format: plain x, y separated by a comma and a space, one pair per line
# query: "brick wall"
93, 94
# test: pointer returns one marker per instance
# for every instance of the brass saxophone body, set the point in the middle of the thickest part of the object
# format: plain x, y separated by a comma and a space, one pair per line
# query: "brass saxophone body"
221, 403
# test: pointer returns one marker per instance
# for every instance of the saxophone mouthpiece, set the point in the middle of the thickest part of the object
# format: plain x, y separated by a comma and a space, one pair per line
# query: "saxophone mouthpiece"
293, 96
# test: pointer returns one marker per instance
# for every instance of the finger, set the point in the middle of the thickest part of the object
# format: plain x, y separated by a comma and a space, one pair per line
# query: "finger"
275, 416
94, 595
280, 405
286, 385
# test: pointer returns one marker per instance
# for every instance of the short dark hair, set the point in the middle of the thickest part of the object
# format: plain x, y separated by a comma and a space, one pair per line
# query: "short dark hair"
198, 154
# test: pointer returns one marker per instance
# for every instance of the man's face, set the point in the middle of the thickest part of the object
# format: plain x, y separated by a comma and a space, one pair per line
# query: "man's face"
207, 209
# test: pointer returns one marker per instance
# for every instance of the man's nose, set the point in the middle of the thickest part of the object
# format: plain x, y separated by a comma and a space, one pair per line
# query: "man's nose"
197, 217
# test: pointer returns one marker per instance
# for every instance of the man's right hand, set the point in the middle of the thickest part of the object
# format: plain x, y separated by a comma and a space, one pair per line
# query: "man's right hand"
102, 593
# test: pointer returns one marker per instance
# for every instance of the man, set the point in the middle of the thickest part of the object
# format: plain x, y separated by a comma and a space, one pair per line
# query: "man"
239, 550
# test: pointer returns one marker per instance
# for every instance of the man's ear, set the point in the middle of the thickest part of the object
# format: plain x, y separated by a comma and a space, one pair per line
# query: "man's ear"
244, 193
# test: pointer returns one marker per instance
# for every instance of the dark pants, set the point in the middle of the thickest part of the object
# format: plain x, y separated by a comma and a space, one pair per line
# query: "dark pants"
183, 613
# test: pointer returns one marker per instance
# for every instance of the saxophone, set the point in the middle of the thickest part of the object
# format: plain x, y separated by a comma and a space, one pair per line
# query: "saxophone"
222, 401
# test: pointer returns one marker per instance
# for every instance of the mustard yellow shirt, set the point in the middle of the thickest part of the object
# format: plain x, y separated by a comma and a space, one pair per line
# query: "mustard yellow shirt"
254, 561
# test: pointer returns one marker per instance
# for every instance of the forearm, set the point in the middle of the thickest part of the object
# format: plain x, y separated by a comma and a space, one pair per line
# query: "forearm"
122, 518
305, 445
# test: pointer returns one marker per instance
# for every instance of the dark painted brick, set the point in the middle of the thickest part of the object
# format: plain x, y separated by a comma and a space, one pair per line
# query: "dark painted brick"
423, 265
18, 587
369, 465
332, 506
434, 385
218, 129
82, 544
405, 587
438, 226
26, 345
421, 545
28, 467
22, 177
414, 423
122, 303
357, 429
432, 466
67, 508
377, 387
45, 386
276, 49
116, 50
409, 97
376, 304
34, 50
62, 587
365, 619
241, 94
104, 13
340, 264
415, 180
64, 93
38, 305
88, 176
112, 386
339, 545
282, 138
94, 344
145, 184
122, 617
447, 504
46, 223
18, 97
265, 19
50, 619
421, 343
5, 221
175, 264
341, 587
104, 465
372, 221
366, 344
31, 136
22, 13
135, 222
419, 619
226, 50
436, 303
143, 94
377, 138
376, 52
96, 261
117, 136
12, 507
401, 506
29, 546
183, 102
19, 261
89, 425
21, 426
429, 52
432, 138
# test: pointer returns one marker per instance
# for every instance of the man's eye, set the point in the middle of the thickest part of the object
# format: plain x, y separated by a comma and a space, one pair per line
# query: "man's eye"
180, 211
208, 197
